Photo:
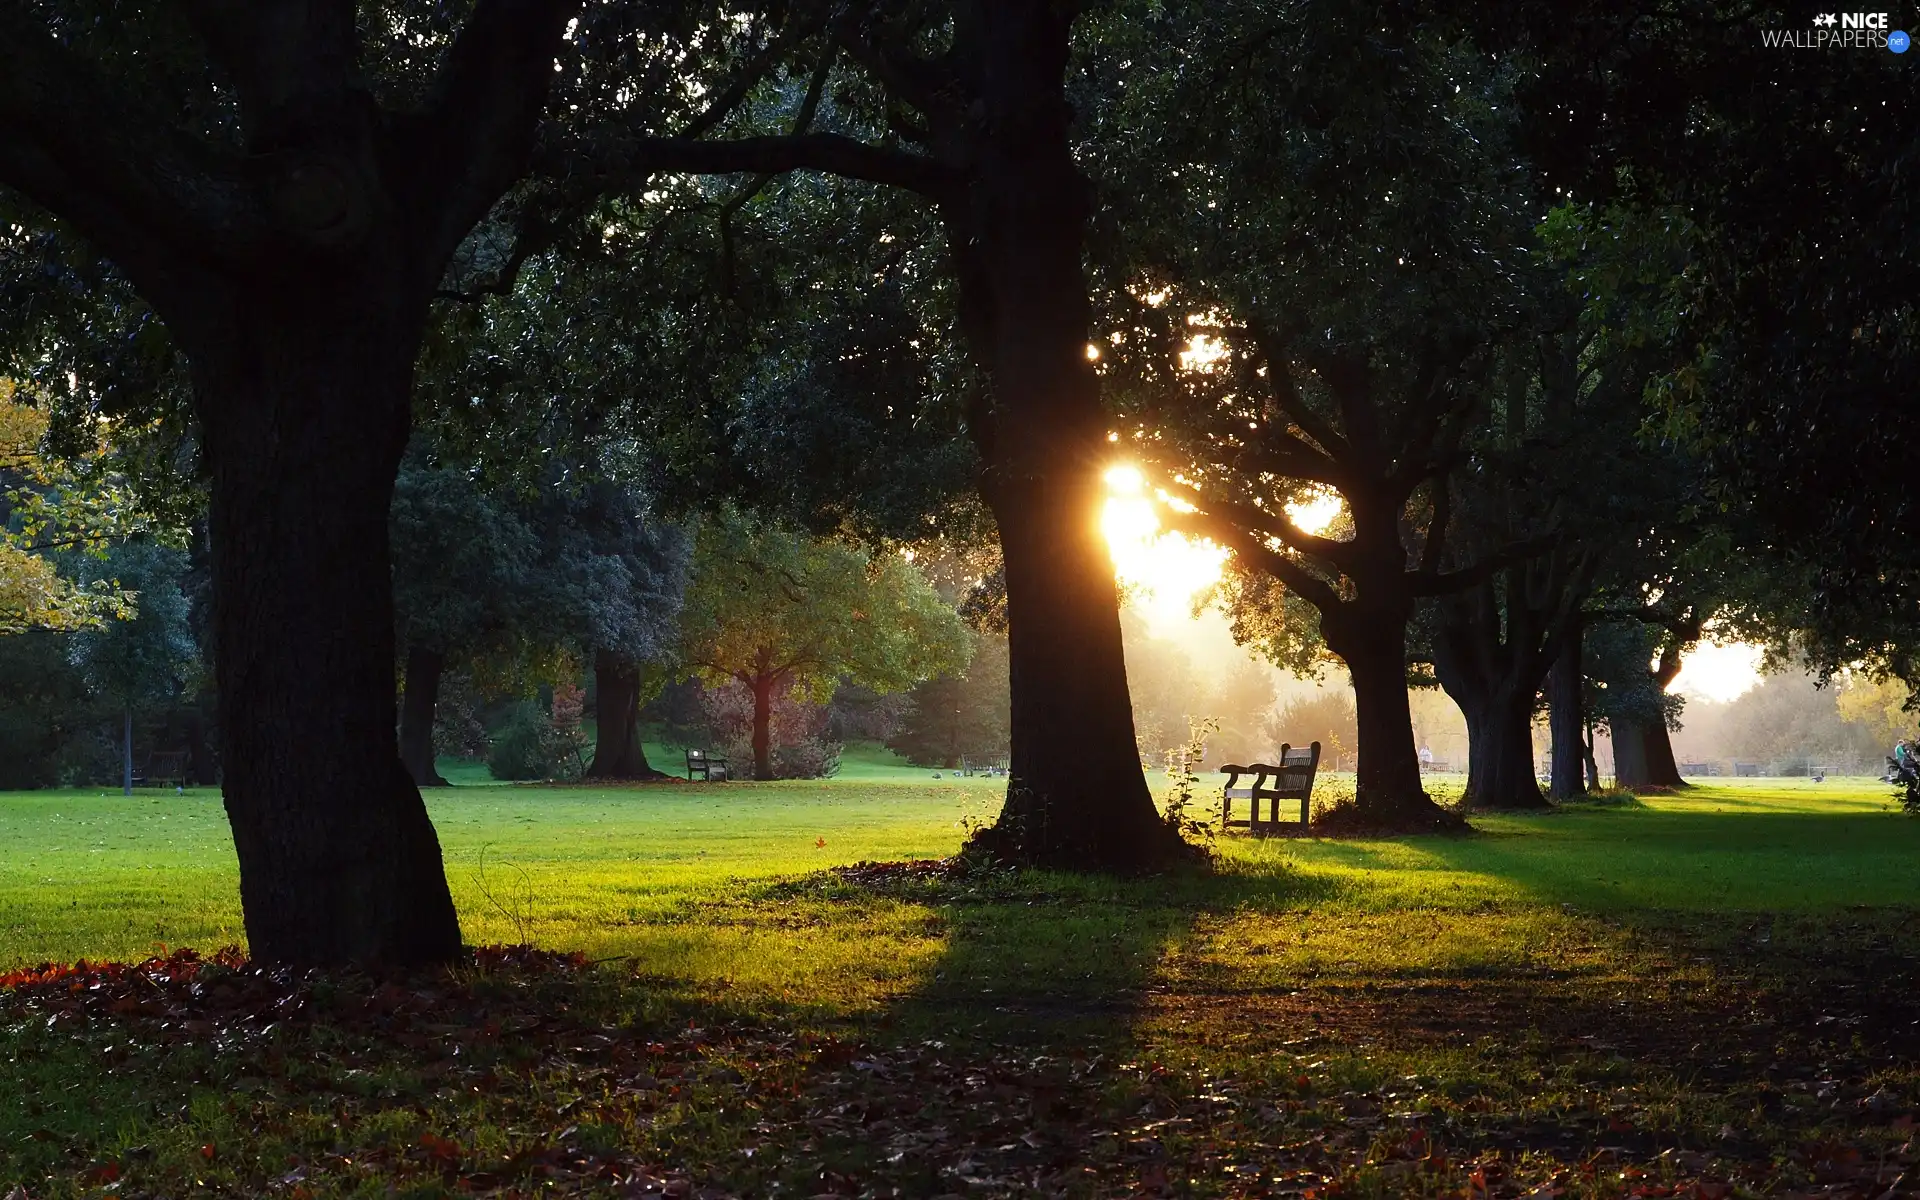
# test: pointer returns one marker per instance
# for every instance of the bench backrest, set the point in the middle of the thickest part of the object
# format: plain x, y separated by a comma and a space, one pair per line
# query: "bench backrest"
1297, 767
166, 764
1289, 779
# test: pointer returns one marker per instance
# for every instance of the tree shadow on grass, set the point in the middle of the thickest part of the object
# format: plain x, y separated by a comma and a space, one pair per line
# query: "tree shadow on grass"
1050, 957
1066, 1035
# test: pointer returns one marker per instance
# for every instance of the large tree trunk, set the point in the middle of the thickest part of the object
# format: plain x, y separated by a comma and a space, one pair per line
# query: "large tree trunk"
295, 273
1629, 754
304, 402
1498, 707
1387, 790
1500, 770
1077, 796
617, 752
424, 668
1489, 655
1643, 756
1567, 720
762, 690
1663, 770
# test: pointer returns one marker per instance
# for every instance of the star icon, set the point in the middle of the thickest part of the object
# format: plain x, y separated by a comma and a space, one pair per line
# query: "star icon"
1826, 19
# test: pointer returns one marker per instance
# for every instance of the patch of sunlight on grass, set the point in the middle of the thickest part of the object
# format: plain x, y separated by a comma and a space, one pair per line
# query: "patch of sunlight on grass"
94, 874
1785, 846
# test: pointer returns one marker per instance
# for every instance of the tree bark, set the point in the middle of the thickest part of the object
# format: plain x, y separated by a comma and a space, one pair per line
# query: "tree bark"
1076, 795
1567, 720
617, 752
295, 273
305, 414
1494, 684
762, 689
424, 668
1629, 754
1662, 770
1643, 753
1500, 770
1494, 645
1387, 788
1643, 757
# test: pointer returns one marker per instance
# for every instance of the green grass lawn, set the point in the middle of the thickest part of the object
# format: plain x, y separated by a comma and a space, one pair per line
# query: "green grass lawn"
1699, 985
95, 875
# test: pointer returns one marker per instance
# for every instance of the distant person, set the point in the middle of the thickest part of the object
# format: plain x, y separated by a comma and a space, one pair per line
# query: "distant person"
1426, 756
1903, 763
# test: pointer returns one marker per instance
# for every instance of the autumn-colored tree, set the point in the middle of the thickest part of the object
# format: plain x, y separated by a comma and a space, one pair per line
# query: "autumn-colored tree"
779, 611
48, 505
1880, 705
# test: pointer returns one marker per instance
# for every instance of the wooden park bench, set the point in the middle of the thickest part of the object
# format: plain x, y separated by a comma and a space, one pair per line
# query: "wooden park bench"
703, 763
163, 767
1292, 780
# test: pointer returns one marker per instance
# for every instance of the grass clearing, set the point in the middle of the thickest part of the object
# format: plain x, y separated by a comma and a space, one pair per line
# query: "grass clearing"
1712, 990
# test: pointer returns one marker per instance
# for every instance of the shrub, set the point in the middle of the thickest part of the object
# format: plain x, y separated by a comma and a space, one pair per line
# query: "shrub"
802, 747
457, 727
529, 744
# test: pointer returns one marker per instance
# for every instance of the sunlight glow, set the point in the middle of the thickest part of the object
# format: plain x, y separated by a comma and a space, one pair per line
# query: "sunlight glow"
1203, 353
1166, 569
1718, 671
1313, 515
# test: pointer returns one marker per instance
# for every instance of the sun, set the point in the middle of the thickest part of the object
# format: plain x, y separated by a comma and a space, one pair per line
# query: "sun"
1167, 570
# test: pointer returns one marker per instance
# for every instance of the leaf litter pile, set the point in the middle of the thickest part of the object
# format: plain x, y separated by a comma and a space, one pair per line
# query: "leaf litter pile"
527, 1072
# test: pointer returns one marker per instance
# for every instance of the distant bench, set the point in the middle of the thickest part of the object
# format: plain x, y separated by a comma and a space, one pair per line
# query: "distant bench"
702, 763
1292, 780
163, 767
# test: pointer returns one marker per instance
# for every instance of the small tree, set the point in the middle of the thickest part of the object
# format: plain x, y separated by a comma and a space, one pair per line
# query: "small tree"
144, 655
462, 556
962, 714
779, 611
